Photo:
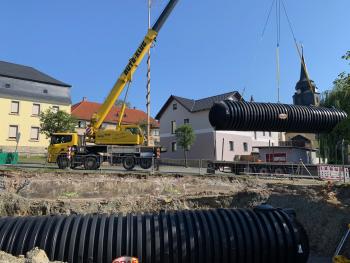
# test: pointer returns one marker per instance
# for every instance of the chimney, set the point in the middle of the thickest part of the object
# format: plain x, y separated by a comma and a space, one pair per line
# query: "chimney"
84, 98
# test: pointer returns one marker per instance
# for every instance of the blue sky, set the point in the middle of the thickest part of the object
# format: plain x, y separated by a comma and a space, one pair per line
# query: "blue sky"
207, 47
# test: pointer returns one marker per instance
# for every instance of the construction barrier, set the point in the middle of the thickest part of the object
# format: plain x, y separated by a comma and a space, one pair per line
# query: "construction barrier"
8, 158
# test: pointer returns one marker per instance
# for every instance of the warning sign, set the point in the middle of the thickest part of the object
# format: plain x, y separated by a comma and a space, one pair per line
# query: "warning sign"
329, 172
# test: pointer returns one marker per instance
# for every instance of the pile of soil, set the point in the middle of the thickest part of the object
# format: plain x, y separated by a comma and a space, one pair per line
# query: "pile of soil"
322, 208
34, 256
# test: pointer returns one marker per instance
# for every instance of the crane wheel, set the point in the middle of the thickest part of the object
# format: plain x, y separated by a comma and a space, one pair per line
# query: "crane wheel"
146, 163
63, 162
90, 163
264, 170
279, 171
129, 163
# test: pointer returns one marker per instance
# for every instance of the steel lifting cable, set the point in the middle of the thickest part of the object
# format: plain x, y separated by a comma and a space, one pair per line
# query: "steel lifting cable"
121, 116
278, 26
297, 46
268, 18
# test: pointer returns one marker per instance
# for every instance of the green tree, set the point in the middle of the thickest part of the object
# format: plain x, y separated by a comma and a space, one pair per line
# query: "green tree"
52, 121
143, 126
339, 97
185, 138
119, 103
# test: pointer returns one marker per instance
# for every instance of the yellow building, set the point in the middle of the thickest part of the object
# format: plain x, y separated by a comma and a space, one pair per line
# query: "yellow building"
24, 93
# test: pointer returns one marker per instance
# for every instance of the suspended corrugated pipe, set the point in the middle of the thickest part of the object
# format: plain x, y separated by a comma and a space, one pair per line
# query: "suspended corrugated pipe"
251, 116
261, 235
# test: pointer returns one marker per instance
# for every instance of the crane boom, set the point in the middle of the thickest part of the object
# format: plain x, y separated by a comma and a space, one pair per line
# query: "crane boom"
127, 74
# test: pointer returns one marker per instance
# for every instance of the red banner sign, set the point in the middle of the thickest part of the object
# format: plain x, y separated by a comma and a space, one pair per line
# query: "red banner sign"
126, 260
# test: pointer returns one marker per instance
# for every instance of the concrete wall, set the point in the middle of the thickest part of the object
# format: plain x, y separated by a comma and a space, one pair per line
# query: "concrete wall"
203, 148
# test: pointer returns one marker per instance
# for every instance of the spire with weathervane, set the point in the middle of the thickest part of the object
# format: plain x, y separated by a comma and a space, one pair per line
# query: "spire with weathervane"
306, 91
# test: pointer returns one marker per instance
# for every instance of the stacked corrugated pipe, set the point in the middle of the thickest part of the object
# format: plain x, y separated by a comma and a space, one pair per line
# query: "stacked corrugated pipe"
261, 235
251, 116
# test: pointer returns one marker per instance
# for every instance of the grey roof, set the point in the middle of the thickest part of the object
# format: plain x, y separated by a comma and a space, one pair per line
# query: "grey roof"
17, 71
49, 98
200, 104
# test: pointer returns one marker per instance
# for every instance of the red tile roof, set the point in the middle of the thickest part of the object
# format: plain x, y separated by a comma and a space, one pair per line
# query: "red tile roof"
85, 109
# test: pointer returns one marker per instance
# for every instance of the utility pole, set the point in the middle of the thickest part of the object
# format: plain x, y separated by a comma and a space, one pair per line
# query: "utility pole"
148, 96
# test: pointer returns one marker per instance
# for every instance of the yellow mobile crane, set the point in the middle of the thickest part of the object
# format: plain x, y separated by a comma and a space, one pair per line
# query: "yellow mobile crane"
123, 144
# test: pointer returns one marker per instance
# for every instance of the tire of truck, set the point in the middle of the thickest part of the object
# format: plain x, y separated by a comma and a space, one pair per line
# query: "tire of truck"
91, 163
146, 163
63, 162
129, 163
279, 170
264, 170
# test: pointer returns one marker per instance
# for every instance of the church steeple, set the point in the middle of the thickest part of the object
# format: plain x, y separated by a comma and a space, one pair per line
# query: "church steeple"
303, 73
306, 90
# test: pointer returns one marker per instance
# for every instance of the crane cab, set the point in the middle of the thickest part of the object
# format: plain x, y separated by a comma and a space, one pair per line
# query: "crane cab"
61, 143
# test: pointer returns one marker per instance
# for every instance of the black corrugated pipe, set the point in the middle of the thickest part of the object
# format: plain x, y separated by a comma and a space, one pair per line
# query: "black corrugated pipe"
261, 235
251, 116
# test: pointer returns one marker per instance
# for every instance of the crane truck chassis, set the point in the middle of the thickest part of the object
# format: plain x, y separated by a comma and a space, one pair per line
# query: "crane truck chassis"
69, 150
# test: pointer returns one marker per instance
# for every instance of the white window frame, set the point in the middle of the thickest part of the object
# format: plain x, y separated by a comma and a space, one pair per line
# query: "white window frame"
39, 109
174, 147
174, 106
55, 108
173, 127
187, 121
81, 124
9, 134
15, 102
31, 130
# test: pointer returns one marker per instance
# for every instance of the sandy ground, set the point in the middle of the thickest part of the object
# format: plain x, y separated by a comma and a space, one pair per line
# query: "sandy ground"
323, 209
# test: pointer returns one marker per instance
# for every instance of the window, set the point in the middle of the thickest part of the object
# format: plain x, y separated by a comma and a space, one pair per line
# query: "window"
57, 139
264, 133
7, 85
173, 127
34, 133
55, 108
82, 124
155, 132
173, 147
255, 135
45, 91
175, 106
186, 121
270, 134
232, 146
14, 107
13, 132
245, 147
36, 109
